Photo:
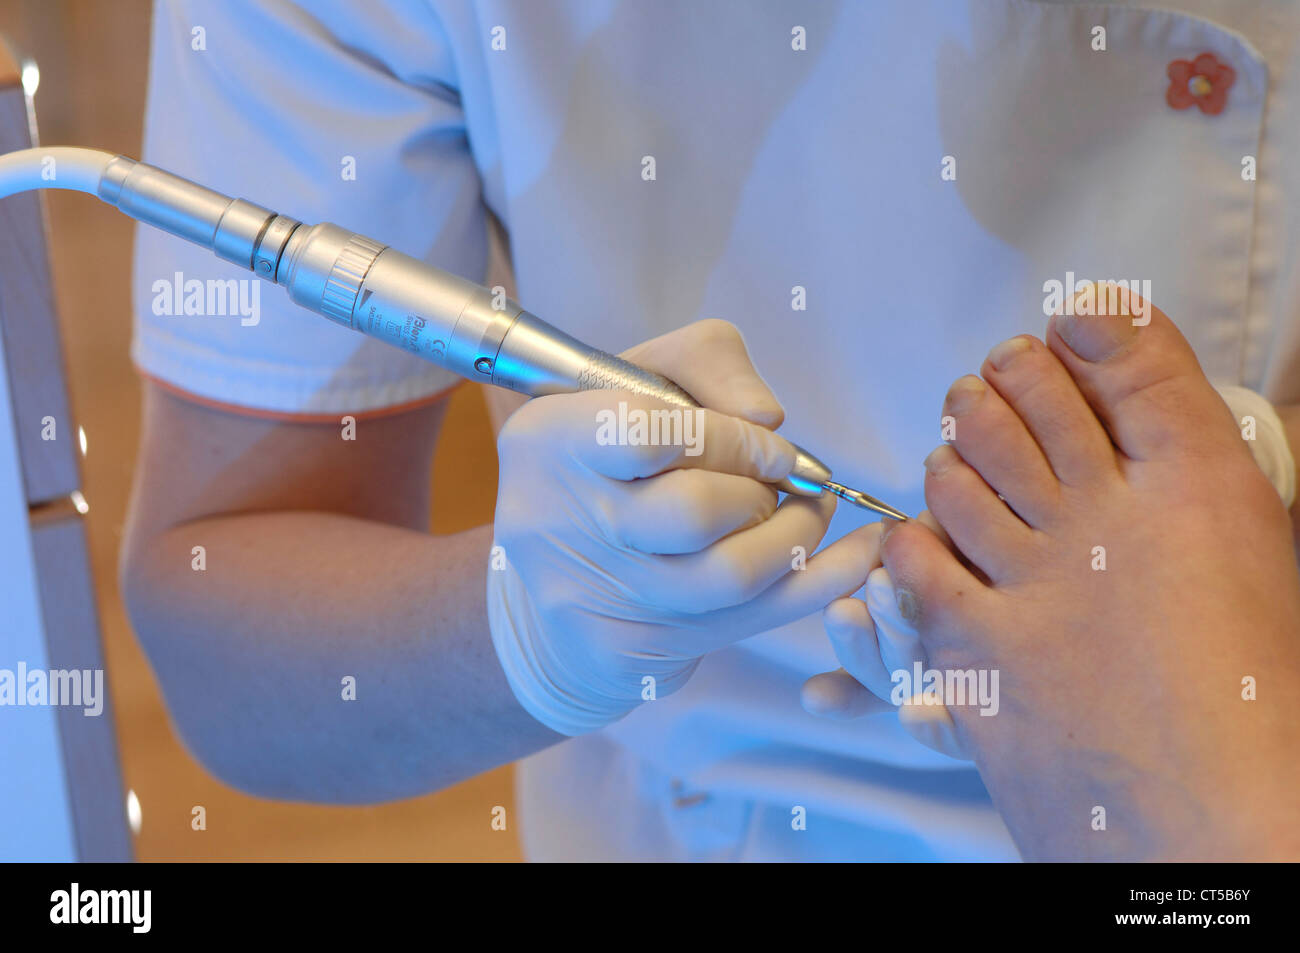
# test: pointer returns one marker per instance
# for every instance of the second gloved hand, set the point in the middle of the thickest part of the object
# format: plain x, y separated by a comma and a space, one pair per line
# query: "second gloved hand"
873, 641
623, 562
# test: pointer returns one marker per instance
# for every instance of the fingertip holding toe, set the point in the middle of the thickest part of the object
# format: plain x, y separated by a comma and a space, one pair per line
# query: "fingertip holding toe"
846, 615
839, 696
823, 695
862, 551
879, 585
932, 725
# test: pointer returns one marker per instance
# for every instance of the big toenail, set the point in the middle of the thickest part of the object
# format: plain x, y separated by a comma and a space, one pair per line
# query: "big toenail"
1097, 323
940, 459
1006, 352
964, 394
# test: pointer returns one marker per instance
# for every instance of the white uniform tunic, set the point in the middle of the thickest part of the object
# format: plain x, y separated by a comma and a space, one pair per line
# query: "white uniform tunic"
920, 169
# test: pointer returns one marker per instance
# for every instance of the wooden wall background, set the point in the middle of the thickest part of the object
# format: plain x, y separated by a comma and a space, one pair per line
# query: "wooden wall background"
93, 57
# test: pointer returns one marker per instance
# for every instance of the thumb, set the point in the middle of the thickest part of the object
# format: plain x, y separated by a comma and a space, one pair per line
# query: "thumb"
932, 725
840, 696
900, 647
709, 361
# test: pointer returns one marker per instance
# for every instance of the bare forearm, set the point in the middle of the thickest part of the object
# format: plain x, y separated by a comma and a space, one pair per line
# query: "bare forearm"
254, 653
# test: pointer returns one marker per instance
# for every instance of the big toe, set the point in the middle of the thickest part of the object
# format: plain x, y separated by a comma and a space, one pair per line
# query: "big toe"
1140, 375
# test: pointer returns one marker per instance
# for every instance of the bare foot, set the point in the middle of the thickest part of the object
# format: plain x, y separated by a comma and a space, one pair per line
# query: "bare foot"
1140, 587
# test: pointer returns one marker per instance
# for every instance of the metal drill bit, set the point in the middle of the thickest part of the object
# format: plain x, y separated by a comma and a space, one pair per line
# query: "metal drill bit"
858, 498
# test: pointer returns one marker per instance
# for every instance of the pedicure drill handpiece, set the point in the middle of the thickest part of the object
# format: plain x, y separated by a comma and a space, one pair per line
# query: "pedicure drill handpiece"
369, 287
858, 498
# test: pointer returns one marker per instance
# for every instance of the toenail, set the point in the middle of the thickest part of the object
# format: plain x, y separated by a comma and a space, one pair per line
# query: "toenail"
940, 459
1006, 352
887, 526
1094, 327
964, 394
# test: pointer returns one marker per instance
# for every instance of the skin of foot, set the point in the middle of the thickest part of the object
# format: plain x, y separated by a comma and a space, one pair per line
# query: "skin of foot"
1115, 554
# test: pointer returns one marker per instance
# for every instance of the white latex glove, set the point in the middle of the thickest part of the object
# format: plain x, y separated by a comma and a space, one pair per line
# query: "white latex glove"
1270, 448
873, 640
623, 565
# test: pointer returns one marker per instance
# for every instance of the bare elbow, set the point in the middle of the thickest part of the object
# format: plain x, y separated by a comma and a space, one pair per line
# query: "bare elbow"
185, 667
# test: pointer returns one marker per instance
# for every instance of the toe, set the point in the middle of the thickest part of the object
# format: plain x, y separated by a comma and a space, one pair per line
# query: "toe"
1040, 391
987, 533
936, 594
991, 437
1142, 378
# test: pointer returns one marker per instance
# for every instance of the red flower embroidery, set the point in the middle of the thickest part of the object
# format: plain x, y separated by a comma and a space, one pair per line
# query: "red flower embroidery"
1202, 82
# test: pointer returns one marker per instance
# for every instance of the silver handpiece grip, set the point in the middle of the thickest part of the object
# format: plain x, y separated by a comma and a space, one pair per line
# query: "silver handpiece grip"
467, 328
536, 358
610, 372
380, 292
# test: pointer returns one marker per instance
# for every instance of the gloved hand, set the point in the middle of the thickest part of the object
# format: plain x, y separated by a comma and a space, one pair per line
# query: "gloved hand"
623, 565
1270, 447
873, 640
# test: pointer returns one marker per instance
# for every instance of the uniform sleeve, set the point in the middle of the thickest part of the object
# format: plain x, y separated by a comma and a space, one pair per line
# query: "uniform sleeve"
333, 111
